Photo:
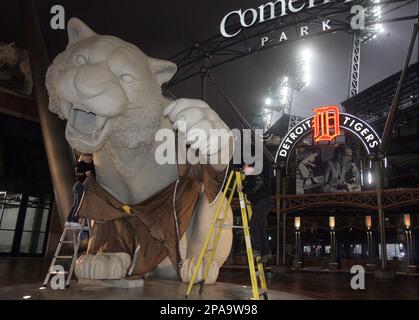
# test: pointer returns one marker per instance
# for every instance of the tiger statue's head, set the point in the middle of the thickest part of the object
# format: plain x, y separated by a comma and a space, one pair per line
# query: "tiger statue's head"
108, 90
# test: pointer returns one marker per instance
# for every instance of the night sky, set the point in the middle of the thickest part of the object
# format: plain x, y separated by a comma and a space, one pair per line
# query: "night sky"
163, 28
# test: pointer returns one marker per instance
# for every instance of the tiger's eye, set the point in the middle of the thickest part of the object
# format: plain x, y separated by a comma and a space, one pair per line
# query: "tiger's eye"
127, 78
80, 59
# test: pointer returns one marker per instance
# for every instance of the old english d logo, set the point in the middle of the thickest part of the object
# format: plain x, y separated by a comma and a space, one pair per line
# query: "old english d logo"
326, 123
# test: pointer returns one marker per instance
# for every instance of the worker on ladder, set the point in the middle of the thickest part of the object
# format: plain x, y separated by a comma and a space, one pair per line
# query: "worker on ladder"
258, 191
257, 274
74, 231
83, 169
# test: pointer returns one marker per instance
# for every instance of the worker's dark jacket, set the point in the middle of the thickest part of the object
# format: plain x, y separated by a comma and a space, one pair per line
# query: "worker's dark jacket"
256, 188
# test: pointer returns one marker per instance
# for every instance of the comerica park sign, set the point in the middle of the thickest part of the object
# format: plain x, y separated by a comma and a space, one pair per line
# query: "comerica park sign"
269, 11
326, 125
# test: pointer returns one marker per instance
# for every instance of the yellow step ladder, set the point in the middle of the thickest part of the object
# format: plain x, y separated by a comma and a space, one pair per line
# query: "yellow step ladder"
234, 183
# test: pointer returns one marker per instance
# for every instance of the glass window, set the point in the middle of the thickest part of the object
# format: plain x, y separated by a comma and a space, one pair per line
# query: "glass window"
36, 216
40, 246
9, 217
3, 195
32, 242
26, 242
29, 219
45, 216
6, 241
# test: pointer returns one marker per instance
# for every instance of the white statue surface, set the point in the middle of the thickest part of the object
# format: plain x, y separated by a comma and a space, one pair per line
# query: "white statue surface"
109, 91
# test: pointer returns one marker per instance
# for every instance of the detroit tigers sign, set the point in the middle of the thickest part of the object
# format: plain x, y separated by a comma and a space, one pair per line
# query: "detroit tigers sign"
326, 125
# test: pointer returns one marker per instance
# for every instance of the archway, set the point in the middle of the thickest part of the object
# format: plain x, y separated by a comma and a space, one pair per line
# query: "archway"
317, 247
352, 246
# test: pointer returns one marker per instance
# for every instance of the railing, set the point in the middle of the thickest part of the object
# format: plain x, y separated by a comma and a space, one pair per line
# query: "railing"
391, 198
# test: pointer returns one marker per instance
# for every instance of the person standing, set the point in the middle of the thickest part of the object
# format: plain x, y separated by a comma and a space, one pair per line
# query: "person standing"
258, 191
84, 168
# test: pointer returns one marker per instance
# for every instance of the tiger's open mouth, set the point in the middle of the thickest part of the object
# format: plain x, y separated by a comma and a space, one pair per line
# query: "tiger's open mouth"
84, 125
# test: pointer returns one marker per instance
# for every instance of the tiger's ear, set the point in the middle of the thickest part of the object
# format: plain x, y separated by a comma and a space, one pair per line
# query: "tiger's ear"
77, 30
163, 70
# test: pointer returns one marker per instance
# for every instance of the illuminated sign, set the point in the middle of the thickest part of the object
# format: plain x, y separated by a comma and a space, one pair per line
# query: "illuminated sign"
326, 126
268, 11
326, 123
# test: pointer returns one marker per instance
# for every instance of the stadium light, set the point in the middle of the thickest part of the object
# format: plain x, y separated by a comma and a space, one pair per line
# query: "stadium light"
280, 96
304, 62
306, 54
284, 90
374, 15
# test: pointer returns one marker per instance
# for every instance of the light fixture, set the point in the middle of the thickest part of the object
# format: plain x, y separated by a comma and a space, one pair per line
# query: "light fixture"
26, 297
368, 222
297, 222
332, 222
268, 101
407, 221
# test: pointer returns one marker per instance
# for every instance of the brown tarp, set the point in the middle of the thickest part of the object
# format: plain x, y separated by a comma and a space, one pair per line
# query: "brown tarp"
150, 224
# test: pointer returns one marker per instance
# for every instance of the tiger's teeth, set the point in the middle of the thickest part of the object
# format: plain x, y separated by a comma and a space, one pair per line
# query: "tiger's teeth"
80, 107
100, 122
66, 108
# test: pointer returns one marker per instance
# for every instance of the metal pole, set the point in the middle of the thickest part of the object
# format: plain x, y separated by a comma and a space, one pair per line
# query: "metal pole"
298, 248
396, 101
278, 214
203, 85
381, 219
412, 248
204, 73
58, 152
284, 239
409, 248
370, 254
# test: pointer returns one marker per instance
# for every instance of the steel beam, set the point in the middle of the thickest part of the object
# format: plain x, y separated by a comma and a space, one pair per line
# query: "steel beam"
355, 65
388, 128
